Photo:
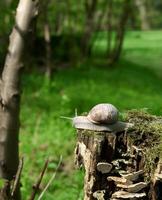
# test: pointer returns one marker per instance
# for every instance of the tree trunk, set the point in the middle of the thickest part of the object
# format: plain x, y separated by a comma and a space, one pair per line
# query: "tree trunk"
90, 9
141, 5
116, 167
133, 18
47, 38
93, 148
69, 17
10, 92
97, 27
120, 33
109, 27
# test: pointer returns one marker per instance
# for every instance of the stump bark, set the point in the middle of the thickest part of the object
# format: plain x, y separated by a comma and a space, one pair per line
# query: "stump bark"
115, 167
92, 149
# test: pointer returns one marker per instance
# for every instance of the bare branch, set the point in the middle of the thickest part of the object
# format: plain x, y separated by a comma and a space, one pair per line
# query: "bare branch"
36, 186
51, 179
17, 178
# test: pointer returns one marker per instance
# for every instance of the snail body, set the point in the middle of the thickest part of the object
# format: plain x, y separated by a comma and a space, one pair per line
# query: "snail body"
102, 117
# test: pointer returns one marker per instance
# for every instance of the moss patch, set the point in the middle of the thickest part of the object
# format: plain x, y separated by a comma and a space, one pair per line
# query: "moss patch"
146, 134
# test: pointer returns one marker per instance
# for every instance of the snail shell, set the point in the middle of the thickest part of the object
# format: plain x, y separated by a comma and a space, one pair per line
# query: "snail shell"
103, 114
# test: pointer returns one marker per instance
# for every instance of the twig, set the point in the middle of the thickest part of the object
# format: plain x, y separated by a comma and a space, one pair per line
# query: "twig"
17, 178
36, 186
51, 179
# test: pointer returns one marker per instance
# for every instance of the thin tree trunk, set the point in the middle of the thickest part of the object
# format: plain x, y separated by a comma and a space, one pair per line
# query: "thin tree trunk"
47, 38
120, 32
141, 5
69, 19
58, 24
133, 18
109, 27
97, 27
10, 92
90, 9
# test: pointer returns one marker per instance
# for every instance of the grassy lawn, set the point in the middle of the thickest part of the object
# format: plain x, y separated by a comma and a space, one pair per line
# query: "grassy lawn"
135, 82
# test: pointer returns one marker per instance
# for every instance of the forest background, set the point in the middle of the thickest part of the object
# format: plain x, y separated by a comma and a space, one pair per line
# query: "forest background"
78, 54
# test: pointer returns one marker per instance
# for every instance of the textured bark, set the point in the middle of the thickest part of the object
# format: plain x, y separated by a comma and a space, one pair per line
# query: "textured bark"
141, 5
128, 174
156, 186
92, 148
10, 91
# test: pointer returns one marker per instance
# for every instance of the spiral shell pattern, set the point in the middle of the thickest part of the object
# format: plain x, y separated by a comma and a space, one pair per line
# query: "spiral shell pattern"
103, 114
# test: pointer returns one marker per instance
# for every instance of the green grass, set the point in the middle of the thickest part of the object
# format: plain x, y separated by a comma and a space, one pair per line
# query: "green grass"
135, 82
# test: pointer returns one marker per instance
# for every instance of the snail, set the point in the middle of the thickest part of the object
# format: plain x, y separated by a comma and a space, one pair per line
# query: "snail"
102, 117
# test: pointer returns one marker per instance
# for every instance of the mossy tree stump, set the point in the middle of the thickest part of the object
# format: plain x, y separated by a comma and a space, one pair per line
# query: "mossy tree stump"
122, 164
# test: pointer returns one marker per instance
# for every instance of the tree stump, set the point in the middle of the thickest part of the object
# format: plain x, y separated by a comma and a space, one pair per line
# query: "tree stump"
122, 164
95, 152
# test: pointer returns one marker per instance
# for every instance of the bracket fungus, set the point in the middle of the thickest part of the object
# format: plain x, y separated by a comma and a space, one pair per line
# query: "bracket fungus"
136, 187
99, 194
127, 195
104, 167
158, 177
119, 180
121, 160
132, 176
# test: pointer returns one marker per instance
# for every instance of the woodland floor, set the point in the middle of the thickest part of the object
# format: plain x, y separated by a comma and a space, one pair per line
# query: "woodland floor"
135, 82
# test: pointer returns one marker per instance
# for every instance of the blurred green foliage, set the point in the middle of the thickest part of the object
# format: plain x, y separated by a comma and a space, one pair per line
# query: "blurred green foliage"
135, 82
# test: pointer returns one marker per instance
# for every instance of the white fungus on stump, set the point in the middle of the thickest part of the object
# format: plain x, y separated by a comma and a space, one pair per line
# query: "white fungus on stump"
110, 160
